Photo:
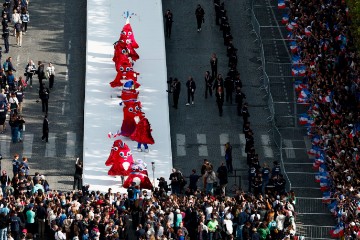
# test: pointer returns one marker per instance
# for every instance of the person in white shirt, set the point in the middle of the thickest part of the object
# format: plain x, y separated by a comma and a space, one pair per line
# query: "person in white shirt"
50, 73
59, 235
228, 224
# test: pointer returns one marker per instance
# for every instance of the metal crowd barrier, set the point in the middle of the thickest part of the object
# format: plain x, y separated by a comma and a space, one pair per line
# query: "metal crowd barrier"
266, 87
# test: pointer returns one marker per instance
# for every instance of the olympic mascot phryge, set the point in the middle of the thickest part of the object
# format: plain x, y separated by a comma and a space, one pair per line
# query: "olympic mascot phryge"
142, 133
120, 159
138, 176
125, 56
131, 110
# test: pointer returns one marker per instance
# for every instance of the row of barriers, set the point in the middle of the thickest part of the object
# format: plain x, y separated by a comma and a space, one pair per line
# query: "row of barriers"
304, 206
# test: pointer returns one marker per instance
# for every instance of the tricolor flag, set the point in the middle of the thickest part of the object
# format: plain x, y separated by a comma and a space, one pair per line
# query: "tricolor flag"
300, 86
304, 119
316, 139
352, 133
294, 24
285, 18
333, 112
332, 207
315, 106
327, 99
290, 35
304, 93
298, 71
289, 27
337, 232
295, 59
326, 197
281, 4
293, 47
307, 31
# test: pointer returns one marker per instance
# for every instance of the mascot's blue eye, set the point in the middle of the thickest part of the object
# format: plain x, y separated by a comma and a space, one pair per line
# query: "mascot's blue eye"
131, 109
129, 153
127, 69
129, 33
128, 41
123, 51
137, 108
121, 68
121, 154
115, 148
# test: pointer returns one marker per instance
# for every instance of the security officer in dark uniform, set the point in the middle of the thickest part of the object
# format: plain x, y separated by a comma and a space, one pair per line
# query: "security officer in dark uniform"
168, 22
239, 97
5, 35
176, 87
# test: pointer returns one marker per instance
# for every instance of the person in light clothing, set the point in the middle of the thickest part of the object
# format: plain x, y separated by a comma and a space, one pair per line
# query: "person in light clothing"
50, 74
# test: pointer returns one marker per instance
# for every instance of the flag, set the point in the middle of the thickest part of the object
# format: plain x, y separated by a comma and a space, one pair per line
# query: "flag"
293, 47
326, 197
337, 231
307, 31
300, 86
316, 139
332, 206
290, 35
327, 99
333, 112
315, 106
304, 119
285, 18
352, 133
298, 71
281, 4
295, 59
294, 24
289, 27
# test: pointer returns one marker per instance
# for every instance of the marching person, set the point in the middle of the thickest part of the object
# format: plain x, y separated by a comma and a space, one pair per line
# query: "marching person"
168, 22
220, 99
176, 87
199, 13
208, 84
213, 65
191, 87
45, 129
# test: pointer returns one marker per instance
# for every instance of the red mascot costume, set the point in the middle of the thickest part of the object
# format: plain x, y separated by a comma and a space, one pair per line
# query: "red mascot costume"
139, 177
131, 110
142, 133
120, 158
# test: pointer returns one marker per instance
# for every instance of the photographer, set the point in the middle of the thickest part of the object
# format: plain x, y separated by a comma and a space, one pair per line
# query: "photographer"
78, 174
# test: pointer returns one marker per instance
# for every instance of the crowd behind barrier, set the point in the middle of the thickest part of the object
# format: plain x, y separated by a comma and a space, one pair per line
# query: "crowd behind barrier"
324, 56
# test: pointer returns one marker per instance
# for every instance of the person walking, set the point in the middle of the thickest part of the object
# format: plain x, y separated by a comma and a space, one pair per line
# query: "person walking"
78, 175
245, 113
199, 13
44, 95
30, 70
213, 65
220, 99
45, 129
50, 74
210, 177
222, 174
229, 87
239, 97
14, 124
25, 18
176, 87
208, 84
5, 35
228, 157
219, 82
191, 87
40, 72
168, 22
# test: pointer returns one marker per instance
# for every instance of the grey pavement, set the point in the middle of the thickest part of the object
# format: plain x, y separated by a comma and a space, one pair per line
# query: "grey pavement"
188, 53
56, 33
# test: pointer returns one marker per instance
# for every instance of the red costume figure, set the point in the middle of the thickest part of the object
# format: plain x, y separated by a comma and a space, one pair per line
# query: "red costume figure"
123, 77
127, 35
138, 176
120, 158
131, 110
142, 133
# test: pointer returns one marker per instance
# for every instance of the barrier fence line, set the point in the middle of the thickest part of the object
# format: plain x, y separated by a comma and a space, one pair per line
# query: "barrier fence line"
266, 86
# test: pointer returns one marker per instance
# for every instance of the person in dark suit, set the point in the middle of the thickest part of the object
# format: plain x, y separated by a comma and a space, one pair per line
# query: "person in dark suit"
44, 94
168, 22
213, 65
45, 129
176, 87
41, 72
199, 13
208, 84
191, 87
220, 99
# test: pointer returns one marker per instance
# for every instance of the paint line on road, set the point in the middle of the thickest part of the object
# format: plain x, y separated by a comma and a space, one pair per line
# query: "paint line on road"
203, 150
69, 44
268, 152
290, 153
242, 144
65, 91
66, 74
180, 145
70, 144
5, 144
224, 138
68, 59
28, 144
50, 150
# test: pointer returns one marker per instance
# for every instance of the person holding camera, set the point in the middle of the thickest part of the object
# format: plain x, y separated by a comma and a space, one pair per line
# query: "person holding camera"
78, 174
30, 70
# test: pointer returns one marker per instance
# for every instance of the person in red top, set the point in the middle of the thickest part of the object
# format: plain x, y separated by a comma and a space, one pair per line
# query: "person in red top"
142, 134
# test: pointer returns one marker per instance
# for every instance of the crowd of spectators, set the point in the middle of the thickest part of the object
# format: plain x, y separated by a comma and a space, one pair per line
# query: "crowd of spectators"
326, 47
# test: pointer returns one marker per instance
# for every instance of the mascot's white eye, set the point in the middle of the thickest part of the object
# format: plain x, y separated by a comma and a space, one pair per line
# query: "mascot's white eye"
123, 51
121, 68
128, 41
121, 154
115, 148
131, 109
129, 153
129, 33
128, 69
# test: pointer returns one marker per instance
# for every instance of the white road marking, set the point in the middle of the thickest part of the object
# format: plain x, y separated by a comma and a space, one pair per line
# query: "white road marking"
70, 144
66, 74
63, 108
242, 144
28, 140
224, 138
203, 150
68, 59
69, 44
180, 145
268, 152
50, 150
290, 153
